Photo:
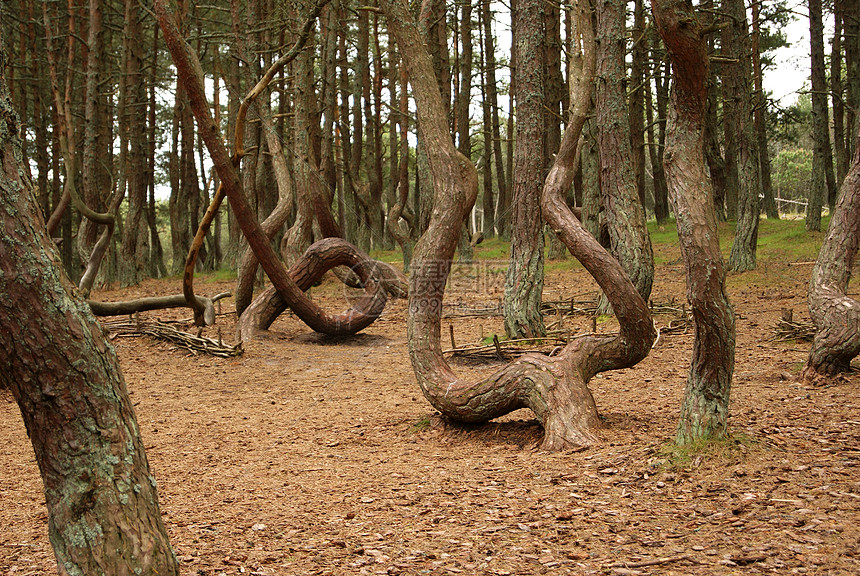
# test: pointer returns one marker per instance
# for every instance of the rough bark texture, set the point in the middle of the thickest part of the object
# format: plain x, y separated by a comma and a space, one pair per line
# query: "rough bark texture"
736, 98
704, 412
625, 214
554, 388
524, 281
103, 513
836, 315
188, 68
820, 129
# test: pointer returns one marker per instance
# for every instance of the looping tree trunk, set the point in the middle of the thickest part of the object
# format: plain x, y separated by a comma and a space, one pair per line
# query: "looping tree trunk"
189, 73
555, 389
308, 270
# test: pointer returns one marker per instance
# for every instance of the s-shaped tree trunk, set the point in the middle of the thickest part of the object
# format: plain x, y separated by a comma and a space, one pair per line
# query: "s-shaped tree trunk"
704, 412
555, 389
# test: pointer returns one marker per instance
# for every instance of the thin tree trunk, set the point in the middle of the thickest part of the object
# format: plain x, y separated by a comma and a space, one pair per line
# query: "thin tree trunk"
492, 94
837, 91
736, 96
524, 280
759, 117
625, 214
820, 120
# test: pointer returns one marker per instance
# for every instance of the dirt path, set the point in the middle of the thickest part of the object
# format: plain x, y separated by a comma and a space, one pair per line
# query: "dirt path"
311, 455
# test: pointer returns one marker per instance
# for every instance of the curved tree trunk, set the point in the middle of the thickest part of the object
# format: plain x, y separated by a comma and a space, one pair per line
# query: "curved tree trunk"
321, 257
188, 68
704, 412
836, 315
103, 514
554, 388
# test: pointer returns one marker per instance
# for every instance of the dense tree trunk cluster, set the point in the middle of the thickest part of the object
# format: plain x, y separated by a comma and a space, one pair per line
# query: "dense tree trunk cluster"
329, 149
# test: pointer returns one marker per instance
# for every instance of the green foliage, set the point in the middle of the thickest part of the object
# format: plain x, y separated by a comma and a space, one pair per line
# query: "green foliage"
724, 451
420, 425
792, 174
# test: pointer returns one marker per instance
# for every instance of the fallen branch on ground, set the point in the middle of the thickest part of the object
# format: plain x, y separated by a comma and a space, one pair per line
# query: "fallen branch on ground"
163, 331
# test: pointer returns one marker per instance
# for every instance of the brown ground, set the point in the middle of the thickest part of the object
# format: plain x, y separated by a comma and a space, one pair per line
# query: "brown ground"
309, 455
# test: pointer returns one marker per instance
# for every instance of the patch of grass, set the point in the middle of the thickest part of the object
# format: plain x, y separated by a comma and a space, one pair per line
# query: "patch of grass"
220, 275
493, 249
788, 240
723, 450
420, 425
388, 256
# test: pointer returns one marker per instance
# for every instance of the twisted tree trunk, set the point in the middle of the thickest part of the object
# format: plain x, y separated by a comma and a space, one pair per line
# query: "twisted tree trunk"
704, 413
190, 76
555, 389
836, 315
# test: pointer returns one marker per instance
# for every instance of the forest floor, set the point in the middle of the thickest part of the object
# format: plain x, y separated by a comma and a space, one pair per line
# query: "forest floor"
317, 455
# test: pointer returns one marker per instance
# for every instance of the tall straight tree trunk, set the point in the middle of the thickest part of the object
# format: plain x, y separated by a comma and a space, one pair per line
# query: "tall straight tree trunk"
134, 264
103, 513
524, 281
495, 124
851, 40
504, 207
837, 91
656, 127
464, 101
759, 117
625, 215
820, 124
736, 97
487, 191
705, 409
636, 98
157, 268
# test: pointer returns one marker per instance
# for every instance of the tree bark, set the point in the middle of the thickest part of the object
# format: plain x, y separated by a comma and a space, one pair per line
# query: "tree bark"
554, 388
524, 280
820, 119
188, 68
135, 261
736, 97
103, 514
704, 411
625, 214
759, 117
836, 315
